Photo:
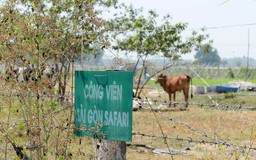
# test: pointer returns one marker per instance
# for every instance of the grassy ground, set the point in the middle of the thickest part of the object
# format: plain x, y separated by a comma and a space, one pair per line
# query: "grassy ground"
205, 124
218, 126
198, 132
211, 82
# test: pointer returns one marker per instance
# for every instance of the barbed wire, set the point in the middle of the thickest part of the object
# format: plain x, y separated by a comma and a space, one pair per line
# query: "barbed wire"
147, 104
33, 95
202, 133
190, 140
212, 141
42, 116
144, 103
203, 141
157, 150
188, 29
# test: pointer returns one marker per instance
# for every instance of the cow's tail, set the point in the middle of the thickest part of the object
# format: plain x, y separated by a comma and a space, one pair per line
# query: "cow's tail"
190, 79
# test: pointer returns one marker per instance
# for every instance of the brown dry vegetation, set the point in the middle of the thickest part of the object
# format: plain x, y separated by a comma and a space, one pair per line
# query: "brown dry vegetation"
236, 128
228, 129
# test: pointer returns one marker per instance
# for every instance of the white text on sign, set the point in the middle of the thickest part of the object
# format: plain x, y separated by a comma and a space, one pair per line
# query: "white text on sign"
112, 118
96, 91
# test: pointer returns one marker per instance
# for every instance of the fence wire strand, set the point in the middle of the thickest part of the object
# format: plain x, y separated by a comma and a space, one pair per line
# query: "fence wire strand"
148, 105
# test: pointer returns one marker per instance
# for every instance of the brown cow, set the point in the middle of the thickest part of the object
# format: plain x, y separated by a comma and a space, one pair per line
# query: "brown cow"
173, 84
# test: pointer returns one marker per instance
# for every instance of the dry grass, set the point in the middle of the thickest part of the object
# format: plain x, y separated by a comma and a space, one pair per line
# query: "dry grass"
238, 128
234, 127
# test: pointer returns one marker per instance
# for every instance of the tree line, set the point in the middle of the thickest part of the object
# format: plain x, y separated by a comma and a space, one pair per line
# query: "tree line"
52, 34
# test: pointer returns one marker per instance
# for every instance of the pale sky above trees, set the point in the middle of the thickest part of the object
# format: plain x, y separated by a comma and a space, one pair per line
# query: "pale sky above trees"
228, 23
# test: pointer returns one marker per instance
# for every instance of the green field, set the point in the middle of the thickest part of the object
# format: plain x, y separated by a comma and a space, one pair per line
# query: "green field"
211, 82
211, 75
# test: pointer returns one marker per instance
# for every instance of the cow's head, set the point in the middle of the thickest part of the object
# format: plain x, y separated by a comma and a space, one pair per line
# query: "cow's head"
161, 79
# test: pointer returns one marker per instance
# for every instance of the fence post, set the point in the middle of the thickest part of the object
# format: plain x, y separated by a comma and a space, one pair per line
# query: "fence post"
108, 119
111, 150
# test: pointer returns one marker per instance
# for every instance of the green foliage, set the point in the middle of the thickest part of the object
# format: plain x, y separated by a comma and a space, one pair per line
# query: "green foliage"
252, 80
207, 56
231, 73
44, 33
61, 158
21, 126
145, 36
229, 95
53, 106
246, 73
211, 82
199, 82
216, 81
152, 83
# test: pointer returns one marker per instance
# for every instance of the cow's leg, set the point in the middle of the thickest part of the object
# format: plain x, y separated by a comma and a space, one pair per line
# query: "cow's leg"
170, 99
174, 99
185, 92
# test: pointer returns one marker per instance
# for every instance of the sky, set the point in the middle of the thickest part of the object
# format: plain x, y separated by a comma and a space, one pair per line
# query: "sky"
231, 24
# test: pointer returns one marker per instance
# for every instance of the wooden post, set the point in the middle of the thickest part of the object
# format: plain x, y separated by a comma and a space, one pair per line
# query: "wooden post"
111, 150
117, 113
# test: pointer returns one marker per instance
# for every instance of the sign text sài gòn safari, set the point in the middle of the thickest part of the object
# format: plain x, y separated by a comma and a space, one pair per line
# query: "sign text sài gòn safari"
103, 104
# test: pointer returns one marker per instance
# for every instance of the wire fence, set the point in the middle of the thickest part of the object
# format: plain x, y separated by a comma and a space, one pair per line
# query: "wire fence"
158, 107
163, 104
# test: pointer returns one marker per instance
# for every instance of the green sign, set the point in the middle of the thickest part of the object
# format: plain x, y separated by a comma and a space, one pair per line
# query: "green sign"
103, 104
